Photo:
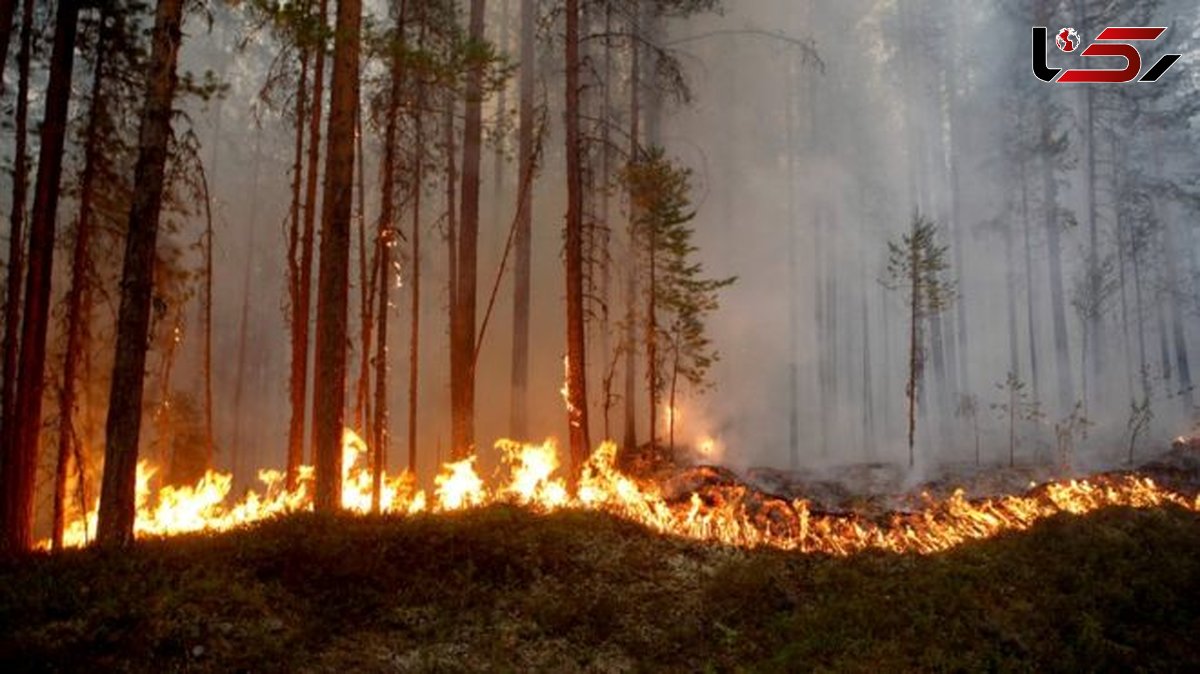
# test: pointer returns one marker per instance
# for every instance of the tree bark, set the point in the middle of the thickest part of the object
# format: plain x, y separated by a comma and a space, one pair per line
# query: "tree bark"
307, 244
914, 349
21, 467
463, 323
1030, 304
522, 271
117, 503
577, 408
1062, 365
631, 286
366, 286
207, 317
235, 446
298, 371
76, 318
387, 225
16, 256
329, 382
414, 338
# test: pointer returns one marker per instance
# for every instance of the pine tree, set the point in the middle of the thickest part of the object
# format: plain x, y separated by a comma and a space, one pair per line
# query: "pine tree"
329, 391
679, 297
916, 264
125, 409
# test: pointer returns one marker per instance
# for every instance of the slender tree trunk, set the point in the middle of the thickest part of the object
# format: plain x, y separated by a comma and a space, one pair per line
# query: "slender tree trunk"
1135, 255
383, 240
674, 390
366, 286
1171, 271
631, 275
651, 334
307, 243
522, 271
414, 349
1062, 355
298, 372
329, 382
1093, 260
914, 351
239, 390
76, 319
577, 406
16, 258
1123, 253
414, 339
1012, 424
463, 323
1030, 307
502, 46
451, 247
116, 518
209, 449
1010, 267
606, 171
21, 466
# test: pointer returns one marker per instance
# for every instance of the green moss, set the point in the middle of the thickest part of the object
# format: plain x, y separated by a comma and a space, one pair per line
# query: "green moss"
501, 589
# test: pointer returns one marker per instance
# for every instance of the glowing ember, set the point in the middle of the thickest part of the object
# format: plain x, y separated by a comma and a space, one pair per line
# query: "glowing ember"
732, 515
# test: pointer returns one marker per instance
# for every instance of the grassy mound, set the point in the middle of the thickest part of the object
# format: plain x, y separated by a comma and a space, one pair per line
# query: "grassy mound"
501, 589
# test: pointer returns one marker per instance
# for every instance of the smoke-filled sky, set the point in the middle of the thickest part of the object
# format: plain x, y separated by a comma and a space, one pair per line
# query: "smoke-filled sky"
814, 132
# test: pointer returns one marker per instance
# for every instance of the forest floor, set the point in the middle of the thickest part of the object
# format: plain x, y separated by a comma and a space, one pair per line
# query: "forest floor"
503, 589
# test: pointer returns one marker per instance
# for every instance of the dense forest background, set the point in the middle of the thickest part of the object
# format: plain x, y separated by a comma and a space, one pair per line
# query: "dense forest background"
804, 138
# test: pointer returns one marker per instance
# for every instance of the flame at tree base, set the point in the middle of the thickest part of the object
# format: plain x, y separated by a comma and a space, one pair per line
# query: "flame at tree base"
734, 515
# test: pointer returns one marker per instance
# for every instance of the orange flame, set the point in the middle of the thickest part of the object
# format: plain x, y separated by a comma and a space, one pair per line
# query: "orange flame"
732, 515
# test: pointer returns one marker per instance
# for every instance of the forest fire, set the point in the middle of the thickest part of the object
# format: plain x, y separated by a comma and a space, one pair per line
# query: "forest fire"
730, 514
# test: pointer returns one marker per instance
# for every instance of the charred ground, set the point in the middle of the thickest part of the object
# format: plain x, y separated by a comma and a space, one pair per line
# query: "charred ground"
503, 589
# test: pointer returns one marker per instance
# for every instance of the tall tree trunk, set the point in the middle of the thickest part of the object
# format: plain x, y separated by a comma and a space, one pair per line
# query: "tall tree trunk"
329, 382
462, 328
631, 286
235, 446
1010, 296
414, 339
16, 256
383, 240
81, 262
1030, 305
606, 173
451, 187
298, 370
523, 243
117, 513
502, 46
651, 334
577, 407
307, 243
366, 287
21, 466
1062, 355
206, 356
914, 351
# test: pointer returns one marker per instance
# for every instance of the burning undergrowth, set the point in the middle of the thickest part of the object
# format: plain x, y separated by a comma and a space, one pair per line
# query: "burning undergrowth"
702, 503
503, 588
